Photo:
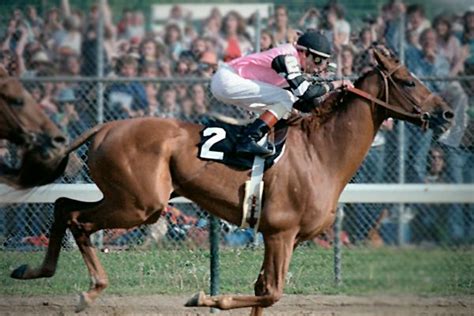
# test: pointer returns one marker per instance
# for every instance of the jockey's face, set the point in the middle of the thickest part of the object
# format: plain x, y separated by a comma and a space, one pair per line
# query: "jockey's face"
311, 63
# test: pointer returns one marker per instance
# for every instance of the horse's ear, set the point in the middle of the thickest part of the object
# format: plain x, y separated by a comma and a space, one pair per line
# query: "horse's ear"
381, 57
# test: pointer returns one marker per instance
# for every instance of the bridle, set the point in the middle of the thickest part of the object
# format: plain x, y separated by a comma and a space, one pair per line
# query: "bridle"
416, 113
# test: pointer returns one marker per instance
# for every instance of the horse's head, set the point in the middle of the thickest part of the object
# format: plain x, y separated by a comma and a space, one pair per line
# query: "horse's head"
409, 97
23, 123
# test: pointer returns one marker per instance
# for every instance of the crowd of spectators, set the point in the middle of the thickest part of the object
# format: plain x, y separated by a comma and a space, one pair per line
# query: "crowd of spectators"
63, 42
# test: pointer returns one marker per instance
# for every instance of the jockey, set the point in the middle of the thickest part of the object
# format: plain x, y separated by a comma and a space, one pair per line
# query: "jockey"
257, 83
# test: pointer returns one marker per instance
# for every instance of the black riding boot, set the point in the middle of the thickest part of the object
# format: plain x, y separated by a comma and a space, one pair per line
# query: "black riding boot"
252, 133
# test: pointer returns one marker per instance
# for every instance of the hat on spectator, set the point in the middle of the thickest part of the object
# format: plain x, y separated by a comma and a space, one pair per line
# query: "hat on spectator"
65, 95
40, 57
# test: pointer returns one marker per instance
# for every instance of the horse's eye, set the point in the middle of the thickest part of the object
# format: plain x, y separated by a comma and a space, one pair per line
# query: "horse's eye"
409, 83
17, 102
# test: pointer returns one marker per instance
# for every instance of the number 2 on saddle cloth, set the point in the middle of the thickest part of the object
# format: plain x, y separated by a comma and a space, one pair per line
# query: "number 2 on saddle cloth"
218, 142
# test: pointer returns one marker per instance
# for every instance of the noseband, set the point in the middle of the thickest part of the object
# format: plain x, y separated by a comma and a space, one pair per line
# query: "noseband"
416, 113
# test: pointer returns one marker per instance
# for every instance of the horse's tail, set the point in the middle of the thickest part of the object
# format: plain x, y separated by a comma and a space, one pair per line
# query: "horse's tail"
84, 137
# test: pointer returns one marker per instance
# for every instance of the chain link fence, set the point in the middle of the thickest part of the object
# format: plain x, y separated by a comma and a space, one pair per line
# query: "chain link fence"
166, 74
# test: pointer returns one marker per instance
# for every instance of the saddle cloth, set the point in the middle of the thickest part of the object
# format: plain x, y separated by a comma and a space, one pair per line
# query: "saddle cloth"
218, 144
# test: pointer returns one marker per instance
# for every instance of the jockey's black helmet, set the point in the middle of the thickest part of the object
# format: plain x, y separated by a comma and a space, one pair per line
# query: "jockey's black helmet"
315, 43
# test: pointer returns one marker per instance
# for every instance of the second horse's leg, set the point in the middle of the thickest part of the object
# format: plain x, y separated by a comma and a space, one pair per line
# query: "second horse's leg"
62, 209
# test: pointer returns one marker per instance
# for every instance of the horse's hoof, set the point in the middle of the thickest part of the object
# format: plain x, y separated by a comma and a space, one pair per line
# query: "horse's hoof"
84, 302
19, 272
196, 300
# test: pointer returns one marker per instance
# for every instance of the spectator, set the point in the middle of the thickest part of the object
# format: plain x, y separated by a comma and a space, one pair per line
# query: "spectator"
66, 116
187, 111
150, 70
198, 94
172, 40
150, 51
423, 63
179, 17
169, 104
51, 25
124, 23
198, 47
281, 30
417, 22
393, 14
310, 20
35, 22
47, 102
467, 40
136, 29
207, 64
341, 28
364, 60
211, 26
127, 99
67, 41
164, 68
429, 223
182, 91
234, 40
71, 66
345, 61
449, 45
266, 40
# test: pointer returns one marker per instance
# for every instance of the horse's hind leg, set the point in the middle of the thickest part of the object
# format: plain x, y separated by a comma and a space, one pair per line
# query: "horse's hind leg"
62, 208
278, 252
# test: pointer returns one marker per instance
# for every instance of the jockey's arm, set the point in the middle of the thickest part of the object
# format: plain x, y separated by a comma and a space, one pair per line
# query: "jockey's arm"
288, 67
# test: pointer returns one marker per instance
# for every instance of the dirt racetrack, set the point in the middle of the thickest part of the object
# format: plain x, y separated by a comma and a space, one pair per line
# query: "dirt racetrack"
317, 305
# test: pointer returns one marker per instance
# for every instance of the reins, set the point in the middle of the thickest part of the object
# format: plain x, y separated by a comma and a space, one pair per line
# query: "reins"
418, 114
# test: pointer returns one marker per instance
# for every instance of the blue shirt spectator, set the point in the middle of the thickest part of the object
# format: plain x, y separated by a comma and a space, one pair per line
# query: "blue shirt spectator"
127, 99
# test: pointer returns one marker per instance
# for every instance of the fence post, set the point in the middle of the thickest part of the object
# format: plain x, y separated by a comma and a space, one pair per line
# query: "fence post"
100, 89
402, 145
214, 229
337, 245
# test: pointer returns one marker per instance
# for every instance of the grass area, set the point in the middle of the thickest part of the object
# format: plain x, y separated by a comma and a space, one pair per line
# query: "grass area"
364, 271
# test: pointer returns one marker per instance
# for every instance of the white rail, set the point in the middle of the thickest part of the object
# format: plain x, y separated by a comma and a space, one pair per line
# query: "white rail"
353, 193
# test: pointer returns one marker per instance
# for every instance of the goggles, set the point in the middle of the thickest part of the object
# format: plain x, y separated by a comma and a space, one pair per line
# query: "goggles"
317, 56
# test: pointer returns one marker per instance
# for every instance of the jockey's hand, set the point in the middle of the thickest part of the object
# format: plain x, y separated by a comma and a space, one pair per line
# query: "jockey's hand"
286, 66
340, 84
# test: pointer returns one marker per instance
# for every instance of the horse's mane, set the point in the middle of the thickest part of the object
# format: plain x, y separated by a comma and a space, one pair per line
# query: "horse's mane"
322, 113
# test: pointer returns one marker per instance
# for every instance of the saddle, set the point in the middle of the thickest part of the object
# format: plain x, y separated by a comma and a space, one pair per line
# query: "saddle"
218, 141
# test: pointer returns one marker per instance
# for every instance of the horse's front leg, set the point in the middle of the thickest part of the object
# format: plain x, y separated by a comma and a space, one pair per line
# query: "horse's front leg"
269, 287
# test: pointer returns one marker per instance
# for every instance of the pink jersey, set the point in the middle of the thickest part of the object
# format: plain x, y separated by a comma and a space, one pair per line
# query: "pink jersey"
258, 66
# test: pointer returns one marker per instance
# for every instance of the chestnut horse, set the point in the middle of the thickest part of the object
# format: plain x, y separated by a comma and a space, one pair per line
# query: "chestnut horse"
23, 123
139, 163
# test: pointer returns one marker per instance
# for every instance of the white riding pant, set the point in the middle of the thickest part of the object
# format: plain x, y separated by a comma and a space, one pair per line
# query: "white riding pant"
256, 96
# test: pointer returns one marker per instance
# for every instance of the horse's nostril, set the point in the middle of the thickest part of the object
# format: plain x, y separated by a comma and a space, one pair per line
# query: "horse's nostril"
448, 115
59, 140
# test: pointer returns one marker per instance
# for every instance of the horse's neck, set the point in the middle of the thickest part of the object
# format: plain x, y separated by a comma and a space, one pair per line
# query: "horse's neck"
349, 134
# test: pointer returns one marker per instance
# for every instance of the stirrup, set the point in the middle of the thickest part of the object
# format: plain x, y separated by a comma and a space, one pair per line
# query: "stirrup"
272, 147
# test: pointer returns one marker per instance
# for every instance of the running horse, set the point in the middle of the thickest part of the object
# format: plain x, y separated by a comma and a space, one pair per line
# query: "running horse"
23, 123
139, 163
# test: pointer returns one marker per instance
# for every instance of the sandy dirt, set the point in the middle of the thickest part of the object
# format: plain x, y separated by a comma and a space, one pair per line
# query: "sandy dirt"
289, 305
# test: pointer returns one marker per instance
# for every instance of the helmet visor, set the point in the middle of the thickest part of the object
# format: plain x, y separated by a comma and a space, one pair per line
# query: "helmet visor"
317, 58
